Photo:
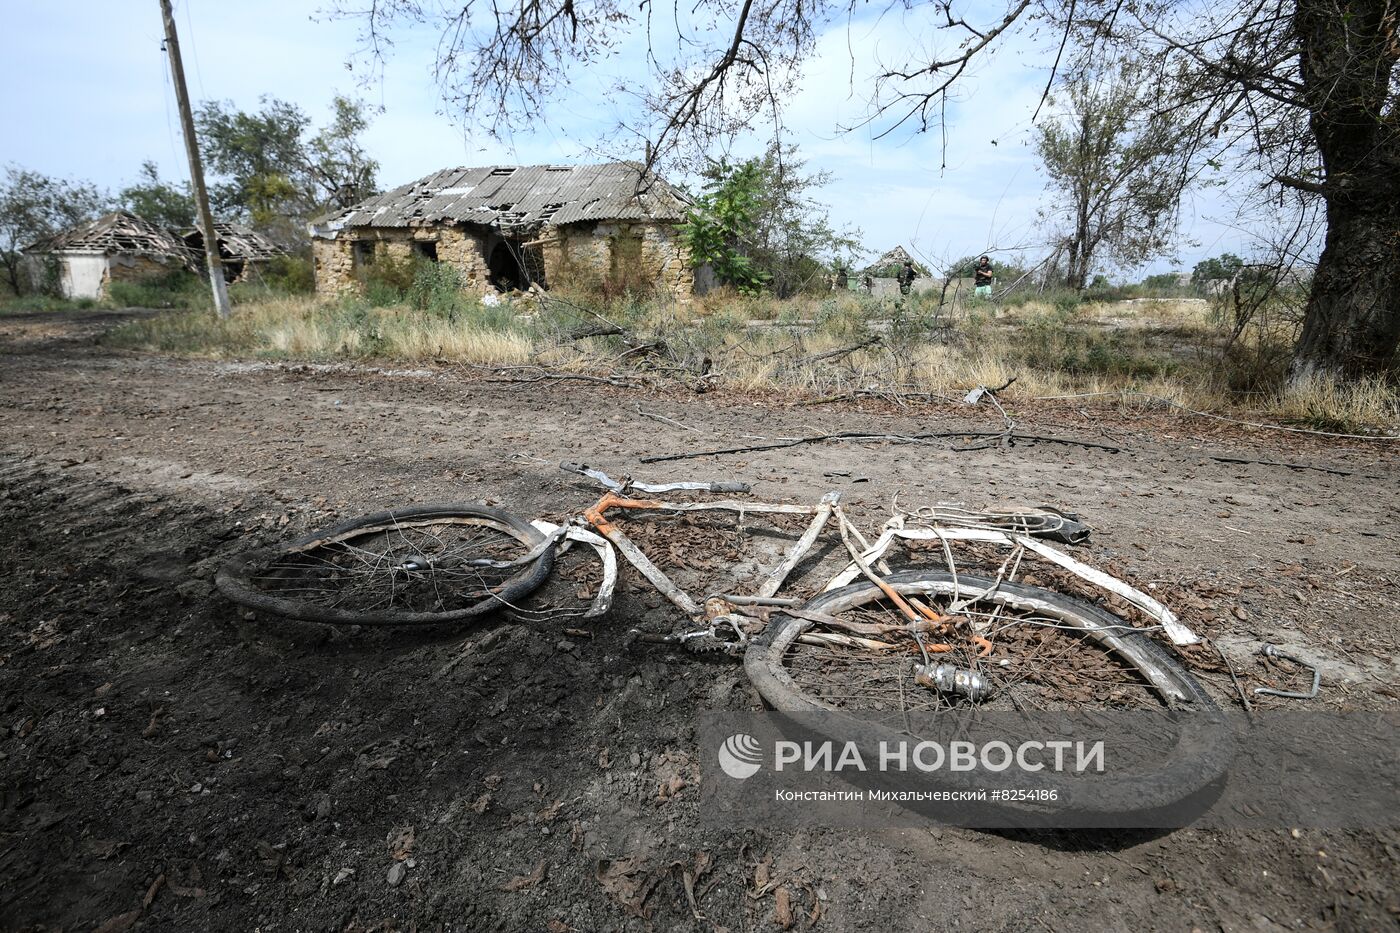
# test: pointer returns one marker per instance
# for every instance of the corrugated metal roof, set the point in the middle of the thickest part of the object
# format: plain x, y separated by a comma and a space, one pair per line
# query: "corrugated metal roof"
516, 196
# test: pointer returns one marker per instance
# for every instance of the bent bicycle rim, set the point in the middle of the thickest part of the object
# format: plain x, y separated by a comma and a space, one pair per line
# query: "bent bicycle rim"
850, 692
420, 565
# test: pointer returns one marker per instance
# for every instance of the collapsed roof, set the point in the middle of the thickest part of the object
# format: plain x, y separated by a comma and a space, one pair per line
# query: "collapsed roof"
516, 197
122, 232
117, 232
895, 257
236, 242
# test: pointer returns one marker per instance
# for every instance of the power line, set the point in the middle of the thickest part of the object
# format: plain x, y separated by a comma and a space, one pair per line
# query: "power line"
194, 48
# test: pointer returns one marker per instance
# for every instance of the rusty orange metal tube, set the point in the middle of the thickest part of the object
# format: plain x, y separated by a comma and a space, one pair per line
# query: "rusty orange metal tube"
596, 514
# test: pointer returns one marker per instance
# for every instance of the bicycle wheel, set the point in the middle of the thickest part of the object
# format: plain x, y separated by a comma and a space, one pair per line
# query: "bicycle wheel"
1048, 653
413, 566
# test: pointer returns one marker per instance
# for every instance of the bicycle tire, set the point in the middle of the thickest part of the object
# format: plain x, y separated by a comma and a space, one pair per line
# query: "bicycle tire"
1191, 767
253, 579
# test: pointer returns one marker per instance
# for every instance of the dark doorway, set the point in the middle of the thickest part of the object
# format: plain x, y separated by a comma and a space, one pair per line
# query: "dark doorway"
425, 249
504, 267
363, 254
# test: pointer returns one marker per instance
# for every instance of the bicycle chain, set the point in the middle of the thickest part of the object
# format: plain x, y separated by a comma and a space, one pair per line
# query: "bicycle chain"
709, 644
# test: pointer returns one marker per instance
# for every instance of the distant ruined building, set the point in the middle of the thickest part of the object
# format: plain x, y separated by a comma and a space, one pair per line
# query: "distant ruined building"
83, 261
881, 274
517, 227
242, 250
890, 262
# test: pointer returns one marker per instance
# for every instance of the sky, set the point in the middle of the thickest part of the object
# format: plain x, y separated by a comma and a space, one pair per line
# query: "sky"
89, 97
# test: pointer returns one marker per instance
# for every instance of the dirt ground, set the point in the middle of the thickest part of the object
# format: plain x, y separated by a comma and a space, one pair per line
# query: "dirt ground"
170, 761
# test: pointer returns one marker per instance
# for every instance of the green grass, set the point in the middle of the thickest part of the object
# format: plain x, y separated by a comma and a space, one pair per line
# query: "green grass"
30, 304
282, 277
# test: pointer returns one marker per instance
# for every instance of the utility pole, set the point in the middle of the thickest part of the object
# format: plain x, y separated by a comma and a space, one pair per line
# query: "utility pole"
201, 195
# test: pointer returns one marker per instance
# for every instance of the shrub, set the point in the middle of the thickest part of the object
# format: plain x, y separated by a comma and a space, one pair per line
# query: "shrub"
387, 280
178, 288
290, 275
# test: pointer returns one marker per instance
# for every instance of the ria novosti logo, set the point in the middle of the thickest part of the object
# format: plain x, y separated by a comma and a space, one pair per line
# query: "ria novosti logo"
740, 756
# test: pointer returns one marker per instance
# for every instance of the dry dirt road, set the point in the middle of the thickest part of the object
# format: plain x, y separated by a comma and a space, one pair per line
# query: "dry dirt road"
168, 761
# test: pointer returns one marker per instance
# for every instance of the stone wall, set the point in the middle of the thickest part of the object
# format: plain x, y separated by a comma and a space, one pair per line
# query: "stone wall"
467, 253
128, 267
590, 255
616, 255
334, 260
252, 270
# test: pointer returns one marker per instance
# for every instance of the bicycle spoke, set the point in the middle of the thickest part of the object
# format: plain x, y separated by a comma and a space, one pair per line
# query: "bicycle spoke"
1034, 663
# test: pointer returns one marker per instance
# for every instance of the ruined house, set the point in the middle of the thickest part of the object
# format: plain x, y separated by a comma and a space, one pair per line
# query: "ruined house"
504, 227
83, 261
890, 262
883, 271
244, 252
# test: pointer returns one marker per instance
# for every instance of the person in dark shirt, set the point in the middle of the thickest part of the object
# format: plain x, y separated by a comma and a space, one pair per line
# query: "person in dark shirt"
906, 277
982, 278
842, 281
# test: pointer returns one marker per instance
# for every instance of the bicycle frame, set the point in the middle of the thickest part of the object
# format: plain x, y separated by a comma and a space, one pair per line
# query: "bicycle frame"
866, 559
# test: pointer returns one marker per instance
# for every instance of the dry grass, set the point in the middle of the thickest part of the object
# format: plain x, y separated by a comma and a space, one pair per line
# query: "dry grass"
1104, 352
302, 328
440, 340
1325, 403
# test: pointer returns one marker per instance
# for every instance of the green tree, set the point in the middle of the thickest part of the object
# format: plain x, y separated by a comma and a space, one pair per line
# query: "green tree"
160, 202
761, 219
272, 171
256, 158
720, 227
1164, 284
1222, 268
793, 239
1114, 164
336, 162
34, 206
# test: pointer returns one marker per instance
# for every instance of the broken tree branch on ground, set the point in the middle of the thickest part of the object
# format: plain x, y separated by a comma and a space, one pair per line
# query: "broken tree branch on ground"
540, 374
1292, 466
664, 420
865, 437
895, 393
834, 355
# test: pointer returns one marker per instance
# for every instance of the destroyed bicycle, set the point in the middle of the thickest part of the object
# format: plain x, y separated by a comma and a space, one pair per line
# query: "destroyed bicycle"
952, 635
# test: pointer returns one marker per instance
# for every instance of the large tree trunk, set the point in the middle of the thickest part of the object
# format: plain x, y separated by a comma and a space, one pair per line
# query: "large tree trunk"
1351, 326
